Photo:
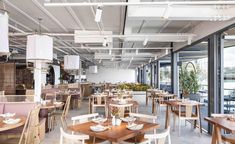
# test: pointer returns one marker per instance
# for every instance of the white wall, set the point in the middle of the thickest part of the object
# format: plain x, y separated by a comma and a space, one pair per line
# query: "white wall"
112, 75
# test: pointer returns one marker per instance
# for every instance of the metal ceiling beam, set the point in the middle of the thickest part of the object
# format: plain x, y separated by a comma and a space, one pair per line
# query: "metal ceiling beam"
164, 3
49, 15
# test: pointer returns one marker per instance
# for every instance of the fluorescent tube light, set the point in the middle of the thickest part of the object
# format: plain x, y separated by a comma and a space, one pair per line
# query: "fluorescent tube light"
145, 42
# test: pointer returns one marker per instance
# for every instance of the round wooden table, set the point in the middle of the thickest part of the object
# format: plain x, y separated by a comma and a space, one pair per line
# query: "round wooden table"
5, 127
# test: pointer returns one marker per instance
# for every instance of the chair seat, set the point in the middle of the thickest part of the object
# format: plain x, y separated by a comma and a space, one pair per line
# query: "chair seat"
229, 138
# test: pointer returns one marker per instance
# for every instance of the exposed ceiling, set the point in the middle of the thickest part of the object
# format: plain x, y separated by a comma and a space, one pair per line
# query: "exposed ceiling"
130, 28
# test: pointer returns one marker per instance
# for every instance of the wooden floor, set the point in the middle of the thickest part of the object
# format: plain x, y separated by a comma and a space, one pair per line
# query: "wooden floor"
188, 135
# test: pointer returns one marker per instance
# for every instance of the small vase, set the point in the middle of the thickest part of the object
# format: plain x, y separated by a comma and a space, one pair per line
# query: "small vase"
113, 120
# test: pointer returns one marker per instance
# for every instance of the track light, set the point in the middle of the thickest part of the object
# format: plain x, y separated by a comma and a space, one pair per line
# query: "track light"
98, 14
145, 41
105, 42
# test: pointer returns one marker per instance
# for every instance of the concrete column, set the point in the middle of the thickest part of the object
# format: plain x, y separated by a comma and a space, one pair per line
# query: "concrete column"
37, 80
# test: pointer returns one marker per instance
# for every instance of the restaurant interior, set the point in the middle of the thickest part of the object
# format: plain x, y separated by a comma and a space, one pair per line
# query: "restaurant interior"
117, 72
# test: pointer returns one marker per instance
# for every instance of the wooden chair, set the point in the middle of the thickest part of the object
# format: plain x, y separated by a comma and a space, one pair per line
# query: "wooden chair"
50, 96
187, 111
2, 93
85, 118
62, 115
124, 109
160, 101
160, 137
99, 101
72, 138
29, 92
30, 133
226, 137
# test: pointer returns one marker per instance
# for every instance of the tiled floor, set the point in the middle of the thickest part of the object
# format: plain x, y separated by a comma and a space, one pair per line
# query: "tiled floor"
188, 135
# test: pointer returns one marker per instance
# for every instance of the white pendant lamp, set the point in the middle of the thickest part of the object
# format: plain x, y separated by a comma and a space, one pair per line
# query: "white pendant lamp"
4, 42
39, 47
93, 69
71, 62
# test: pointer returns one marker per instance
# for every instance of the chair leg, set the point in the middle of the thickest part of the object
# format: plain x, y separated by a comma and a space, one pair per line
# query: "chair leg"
179, 126
174, 116
169, 139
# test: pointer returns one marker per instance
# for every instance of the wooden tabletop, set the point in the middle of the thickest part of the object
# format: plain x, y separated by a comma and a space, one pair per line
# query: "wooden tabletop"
179, 102
222, 122
135, 103
4, 127
115, 133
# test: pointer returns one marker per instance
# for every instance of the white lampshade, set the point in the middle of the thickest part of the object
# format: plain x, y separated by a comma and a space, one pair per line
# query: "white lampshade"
71, 62
93, 69
4, 42
39, 47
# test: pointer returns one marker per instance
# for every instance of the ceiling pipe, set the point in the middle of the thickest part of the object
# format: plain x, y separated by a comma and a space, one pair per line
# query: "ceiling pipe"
177, 3
112, 36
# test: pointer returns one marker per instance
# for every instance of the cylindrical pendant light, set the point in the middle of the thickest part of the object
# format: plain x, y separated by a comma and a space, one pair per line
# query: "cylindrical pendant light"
4, 41
39, 47
93, 69
71, 62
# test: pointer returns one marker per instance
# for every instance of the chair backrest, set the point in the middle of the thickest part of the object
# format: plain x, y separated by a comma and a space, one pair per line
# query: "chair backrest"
66, 107
29, 92
99, 99
160, 137
83, 118
50, 96
31, 127
144, 117
122, 108
2, 92
188, 109
78, 138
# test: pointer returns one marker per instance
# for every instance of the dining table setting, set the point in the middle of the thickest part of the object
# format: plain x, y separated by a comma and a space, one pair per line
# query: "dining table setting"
104, 128
10, 121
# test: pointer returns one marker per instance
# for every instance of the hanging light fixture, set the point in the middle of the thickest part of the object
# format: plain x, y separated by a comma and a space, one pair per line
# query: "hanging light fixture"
98, 14
4, 41
93, 69
39, 47
71, 62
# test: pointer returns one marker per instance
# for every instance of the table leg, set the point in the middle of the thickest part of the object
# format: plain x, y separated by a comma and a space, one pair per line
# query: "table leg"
146, 98
167, 121
153, 105
89, 103
213, 141
218, 135
44, 114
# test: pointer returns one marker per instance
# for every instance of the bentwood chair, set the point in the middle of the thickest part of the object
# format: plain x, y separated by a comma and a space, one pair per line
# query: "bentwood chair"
58, 114
66, 138
187, 111
85, 118
226, 137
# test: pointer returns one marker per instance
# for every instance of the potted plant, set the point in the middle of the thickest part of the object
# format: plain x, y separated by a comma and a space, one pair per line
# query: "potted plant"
189, 83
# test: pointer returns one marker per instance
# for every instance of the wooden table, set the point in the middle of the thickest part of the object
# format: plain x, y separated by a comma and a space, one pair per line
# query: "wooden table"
44, 111
115, 134
176, 103
220, 123
5, 127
